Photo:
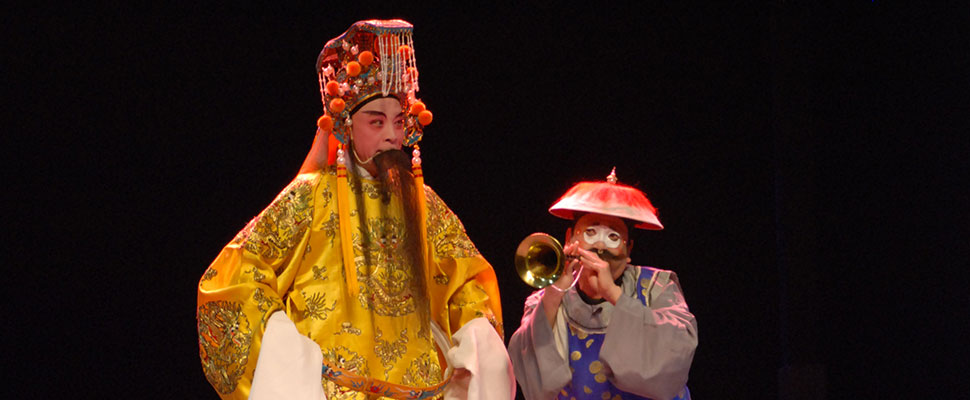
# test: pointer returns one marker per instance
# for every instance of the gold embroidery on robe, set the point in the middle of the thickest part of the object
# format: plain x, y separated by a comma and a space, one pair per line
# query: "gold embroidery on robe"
387, 289
446, 231
347, 327
257, 276
282, 224
224, 340
316, 306
368, 188
320, 273
331, 226
326, 195
263, 302
422, 372
342, 357
272, 265
209, 274
390, 351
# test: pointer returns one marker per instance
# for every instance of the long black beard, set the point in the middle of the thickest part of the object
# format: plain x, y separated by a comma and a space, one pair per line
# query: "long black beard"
394, 174
396, 180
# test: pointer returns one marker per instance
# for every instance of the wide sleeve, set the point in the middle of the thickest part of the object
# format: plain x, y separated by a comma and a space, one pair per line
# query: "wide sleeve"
540, 368
649, 349
462, 283
245, 285
465, 302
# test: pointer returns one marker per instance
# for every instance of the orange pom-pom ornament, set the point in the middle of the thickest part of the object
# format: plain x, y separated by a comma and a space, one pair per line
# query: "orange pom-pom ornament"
365, 58
416, 108
337, 105
325, 123
353, 68
425, 117
405, 50
333, 88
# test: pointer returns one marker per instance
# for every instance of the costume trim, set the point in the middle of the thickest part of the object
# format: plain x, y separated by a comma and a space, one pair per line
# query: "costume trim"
378, 387
343, 212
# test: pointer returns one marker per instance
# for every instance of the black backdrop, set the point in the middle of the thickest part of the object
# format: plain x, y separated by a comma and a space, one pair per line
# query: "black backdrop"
806, 161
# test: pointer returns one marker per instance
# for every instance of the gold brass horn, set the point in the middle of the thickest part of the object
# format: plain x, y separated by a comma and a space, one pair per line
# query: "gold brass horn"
539, 260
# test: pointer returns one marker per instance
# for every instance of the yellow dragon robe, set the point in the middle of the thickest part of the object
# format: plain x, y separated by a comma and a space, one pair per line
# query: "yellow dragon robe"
289, 258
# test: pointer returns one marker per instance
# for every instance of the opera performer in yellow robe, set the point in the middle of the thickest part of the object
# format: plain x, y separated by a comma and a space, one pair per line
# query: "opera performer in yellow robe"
357, 281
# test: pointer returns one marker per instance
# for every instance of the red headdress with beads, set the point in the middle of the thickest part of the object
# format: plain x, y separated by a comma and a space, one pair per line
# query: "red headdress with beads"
373, 58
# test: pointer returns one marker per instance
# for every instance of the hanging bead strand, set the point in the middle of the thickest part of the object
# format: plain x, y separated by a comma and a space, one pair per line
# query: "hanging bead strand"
416, 157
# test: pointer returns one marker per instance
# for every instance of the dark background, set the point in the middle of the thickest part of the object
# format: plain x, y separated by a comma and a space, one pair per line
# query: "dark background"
806, 160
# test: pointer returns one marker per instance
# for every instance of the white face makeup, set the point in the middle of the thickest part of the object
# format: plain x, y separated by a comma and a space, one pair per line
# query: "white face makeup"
601, 233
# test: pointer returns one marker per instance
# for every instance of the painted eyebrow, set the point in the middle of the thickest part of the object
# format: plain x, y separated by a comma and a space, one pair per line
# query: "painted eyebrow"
381, 113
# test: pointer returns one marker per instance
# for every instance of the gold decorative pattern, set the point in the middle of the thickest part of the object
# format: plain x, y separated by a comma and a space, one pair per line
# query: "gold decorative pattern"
442, 279
445, 230
209, 274
344, 358
224, 341
579, 333
347, 327
282, 224
330, 227
263, 303
600, 377
587, 390
326, 195
422, 372
316, 306
389, 352
575, 355
595, 367
589, 343
334, 391
257, 276
387, 288
319, 273
357, 186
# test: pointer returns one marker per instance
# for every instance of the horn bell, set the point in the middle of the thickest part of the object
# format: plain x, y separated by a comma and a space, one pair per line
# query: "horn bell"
539, 260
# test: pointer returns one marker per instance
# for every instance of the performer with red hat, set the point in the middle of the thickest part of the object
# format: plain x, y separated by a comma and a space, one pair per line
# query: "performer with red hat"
615, 330
357, 282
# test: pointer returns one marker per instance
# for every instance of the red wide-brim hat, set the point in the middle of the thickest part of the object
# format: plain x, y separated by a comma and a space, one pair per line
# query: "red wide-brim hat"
608, 198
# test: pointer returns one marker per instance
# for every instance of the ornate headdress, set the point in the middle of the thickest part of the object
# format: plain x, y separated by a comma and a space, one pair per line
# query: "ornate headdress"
608, 198
373, 58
